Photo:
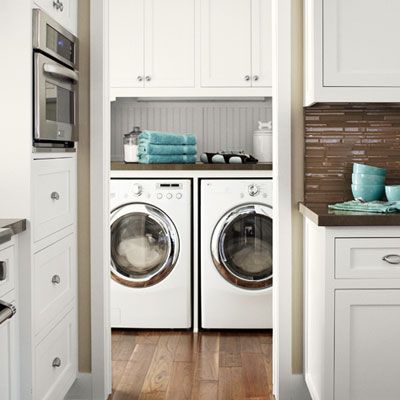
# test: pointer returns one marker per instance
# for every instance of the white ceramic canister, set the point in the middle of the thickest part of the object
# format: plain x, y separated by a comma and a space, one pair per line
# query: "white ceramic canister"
262, 143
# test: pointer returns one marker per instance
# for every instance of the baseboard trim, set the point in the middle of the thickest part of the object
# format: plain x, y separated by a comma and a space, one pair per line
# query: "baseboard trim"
299, 388
82, 388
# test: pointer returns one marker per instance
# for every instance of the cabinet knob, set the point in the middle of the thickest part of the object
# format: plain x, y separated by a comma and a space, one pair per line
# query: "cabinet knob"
256, 77
55, 196
56, 279
61, 6
247, 77
56, 4
392, 259
148, 78
139, 78
56, 363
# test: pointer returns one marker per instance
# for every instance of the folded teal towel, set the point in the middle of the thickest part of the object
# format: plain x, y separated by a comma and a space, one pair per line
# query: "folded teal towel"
169, 159
155, 137
167, 149
371, 207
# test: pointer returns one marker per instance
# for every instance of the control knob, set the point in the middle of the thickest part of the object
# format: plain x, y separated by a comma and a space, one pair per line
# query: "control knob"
137, 189
253, 190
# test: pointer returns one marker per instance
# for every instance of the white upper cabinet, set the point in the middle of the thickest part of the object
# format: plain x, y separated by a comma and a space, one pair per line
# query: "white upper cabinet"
169, 43
226, 43
152, 43
350, 51
236, 43
190, 48
262, 43
126, 43
65, 12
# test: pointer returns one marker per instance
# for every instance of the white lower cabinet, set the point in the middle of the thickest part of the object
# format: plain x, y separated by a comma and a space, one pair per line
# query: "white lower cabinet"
352, 312
49, 349
367, 345
55, 360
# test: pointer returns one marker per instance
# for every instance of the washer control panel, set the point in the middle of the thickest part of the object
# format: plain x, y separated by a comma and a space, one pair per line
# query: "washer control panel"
169, 191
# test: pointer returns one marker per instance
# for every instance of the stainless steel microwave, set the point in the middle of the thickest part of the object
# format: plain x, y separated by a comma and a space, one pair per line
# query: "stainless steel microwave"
56, 78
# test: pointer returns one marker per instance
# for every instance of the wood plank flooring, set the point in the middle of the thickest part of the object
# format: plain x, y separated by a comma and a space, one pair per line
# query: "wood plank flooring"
171, 365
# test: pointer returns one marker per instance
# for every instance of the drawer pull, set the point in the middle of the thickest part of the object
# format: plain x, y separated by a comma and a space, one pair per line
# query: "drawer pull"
56, 279
55, 196
3, 271
7, 311
392, 259
56, 363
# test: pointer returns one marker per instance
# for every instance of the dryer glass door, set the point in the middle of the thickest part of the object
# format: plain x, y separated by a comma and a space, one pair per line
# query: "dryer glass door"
241, 246
144, 245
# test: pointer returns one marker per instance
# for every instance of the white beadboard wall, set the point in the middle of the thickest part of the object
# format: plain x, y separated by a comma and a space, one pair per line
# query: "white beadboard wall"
218, 125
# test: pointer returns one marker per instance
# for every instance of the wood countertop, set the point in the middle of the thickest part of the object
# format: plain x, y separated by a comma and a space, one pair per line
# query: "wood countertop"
122, 166
321, 215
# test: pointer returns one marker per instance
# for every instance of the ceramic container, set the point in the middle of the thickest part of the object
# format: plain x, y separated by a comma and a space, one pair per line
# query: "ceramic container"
368, 192
393, 192
368, 169
366, 179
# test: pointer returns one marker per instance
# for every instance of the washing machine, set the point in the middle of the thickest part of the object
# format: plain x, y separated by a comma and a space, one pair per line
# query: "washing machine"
236, 221
151, 253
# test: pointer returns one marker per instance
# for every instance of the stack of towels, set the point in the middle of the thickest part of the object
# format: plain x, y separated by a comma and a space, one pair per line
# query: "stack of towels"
167, 148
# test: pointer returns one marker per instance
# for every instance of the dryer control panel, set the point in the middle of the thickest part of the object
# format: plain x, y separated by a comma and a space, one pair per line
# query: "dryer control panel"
169, 191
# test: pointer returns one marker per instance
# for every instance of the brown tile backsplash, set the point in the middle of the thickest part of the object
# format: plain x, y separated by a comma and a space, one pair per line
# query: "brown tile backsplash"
336, 135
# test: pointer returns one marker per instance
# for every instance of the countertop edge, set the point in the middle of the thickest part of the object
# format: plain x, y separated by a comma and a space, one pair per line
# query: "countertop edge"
348, 219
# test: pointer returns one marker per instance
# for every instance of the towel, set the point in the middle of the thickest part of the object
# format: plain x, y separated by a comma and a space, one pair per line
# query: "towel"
370, 207
166, 149
155, 137
167, 159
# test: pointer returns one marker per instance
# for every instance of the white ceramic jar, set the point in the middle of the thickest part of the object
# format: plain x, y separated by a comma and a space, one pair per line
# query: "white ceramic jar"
262, 142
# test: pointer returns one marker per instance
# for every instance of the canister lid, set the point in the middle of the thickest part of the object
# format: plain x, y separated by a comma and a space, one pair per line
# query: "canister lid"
135, 132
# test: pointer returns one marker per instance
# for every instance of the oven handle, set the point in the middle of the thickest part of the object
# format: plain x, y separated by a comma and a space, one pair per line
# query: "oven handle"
7, 311
61, 72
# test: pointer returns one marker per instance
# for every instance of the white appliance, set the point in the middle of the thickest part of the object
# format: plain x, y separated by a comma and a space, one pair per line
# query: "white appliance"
150, 253
236, 253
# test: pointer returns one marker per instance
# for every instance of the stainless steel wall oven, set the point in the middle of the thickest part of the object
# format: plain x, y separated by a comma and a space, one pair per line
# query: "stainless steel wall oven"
55, 68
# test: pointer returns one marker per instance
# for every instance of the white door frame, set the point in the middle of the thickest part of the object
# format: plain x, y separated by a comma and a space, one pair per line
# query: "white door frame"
100, 238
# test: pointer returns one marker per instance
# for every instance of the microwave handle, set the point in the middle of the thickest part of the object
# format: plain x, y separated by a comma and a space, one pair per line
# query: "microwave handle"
61, 72
7, 311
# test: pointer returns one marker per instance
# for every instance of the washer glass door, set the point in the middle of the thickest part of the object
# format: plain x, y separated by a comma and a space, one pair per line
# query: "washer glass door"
241, 246
144, 245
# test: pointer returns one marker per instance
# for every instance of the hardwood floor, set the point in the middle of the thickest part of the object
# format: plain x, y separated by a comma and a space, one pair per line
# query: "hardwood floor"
170, 365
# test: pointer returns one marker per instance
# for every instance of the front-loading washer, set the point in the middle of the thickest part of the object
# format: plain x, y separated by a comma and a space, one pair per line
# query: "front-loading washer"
150, 253
236, 222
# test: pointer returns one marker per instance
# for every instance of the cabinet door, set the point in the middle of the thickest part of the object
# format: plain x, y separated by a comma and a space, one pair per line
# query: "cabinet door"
169, 43
225, 43
367, 345
262, 43
361, 42
126, 34
54, 196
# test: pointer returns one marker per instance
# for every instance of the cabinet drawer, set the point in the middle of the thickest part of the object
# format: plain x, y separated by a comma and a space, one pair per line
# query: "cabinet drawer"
54, 183
7, 270
369, 258
54, 281
55, 364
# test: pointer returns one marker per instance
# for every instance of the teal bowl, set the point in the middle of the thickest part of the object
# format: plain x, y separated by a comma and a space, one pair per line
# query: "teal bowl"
368, 192
368, 169
365, 179
393, 192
